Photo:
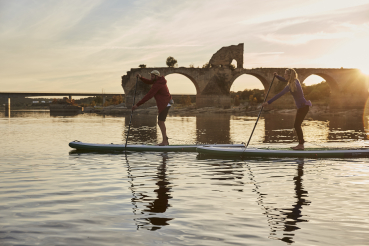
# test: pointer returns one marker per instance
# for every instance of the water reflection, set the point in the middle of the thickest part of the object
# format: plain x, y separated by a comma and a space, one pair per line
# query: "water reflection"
58, 114
25, 114
225, 128
279, 128
160, 204
152, 216
283, 219
212, 128
143, 129
226, 172
341, 127
293, 216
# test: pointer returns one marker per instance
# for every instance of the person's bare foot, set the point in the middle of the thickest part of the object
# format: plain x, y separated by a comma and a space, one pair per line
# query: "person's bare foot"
164, 143
298, 147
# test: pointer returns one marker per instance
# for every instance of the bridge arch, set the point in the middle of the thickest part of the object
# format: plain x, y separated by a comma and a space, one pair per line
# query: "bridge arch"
195, 83
333, 85
259, 76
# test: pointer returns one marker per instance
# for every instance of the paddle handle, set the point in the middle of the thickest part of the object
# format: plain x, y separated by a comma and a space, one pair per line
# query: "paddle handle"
260, 112
130, 119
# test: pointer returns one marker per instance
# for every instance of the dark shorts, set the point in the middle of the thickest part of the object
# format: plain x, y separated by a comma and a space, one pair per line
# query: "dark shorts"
163, 114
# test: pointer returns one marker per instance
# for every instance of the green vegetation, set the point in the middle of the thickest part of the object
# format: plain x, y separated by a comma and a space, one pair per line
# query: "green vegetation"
28, 103
171, 62
185, 100
251, 96
98, 100
318, 93
65, 100
237, 100
206, 65
142, 66
118, 99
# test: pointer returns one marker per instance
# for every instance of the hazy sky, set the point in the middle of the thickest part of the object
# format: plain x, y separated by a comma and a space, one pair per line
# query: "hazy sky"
86, 46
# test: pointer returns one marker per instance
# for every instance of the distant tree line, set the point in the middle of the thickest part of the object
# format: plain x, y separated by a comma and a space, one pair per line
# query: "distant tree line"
319, 91
252, 96
98, 101
65, 100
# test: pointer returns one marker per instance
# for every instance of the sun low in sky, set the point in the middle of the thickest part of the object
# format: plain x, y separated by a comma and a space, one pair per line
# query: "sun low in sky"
86, 46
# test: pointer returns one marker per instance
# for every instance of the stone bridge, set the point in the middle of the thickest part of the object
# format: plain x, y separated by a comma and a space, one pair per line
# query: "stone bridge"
348, 87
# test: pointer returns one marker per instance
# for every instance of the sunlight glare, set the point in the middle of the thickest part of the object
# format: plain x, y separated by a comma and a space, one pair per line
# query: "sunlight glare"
352, 54
313, 80
365, 70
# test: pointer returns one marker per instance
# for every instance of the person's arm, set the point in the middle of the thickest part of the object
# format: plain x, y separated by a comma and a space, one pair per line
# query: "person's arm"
154, 89
281, 78
284, 91
147, 81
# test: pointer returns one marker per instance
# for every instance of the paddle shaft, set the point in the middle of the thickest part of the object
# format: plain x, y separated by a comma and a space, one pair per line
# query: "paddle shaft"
260, 112
130, 119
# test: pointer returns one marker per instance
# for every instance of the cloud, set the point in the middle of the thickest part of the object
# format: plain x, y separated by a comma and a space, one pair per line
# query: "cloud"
148, 47
344, 30
355, 28
304, 38
264, 53
303, 9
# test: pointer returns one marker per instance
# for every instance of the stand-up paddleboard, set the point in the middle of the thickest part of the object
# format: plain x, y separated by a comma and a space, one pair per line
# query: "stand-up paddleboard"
260, 152
121, 147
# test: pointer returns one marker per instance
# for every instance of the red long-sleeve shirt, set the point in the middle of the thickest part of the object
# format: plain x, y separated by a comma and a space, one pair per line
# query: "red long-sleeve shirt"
159, 91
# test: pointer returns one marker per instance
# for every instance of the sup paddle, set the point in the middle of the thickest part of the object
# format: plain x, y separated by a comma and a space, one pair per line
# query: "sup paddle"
260, 112
130, 119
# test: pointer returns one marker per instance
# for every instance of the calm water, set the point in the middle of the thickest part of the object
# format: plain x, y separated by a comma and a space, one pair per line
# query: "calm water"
51, 195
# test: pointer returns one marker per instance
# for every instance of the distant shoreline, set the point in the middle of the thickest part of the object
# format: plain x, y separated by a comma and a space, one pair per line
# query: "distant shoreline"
193, 111
241, 110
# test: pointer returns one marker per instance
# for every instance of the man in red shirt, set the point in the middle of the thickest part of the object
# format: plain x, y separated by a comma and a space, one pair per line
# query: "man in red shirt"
160, 92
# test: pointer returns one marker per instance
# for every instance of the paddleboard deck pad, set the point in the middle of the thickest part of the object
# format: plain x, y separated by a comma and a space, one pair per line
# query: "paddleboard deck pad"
121, 147
264, 152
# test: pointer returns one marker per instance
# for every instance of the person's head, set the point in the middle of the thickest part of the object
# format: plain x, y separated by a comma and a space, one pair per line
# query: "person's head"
154, 74
290, 75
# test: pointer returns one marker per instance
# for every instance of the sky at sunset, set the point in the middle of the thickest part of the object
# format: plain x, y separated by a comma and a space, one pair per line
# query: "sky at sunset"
86, 46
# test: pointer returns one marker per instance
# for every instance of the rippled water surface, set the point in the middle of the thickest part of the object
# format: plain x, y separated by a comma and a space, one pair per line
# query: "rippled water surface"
52, 195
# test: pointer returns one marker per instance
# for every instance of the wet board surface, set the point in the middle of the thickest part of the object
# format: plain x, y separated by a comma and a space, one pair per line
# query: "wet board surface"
283, 152
121, 147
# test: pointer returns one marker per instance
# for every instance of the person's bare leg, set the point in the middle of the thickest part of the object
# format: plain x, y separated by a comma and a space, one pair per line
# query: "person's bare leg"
163, 130
300, 116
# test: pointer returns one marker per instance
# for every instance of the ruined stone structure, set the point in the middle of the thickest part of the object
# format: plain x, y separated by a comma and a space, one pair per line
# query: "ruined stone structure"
349, 87
225, 56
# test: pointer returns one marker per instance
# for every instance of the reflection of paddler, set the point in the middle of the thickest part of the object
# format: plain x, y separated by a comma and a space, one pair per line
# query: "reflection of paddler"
292, 216
302, 104
160, 92
160, 204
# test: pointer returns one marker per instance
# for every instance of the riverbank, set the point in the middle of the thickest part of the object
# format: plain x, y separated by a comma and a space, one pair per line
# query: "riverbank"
180, 110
